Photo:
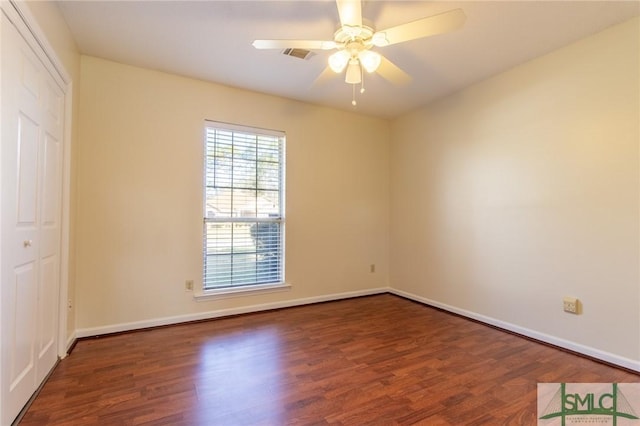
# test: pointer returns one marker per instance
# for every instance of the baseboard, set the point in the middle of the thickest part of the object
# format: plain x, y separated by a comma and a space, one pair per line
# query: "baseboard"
156, 322
546, 338
71, 342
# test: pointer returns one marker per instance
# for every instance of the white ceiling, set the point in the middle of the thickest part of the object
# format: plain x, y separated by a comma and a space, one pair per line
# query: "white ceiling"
211, 40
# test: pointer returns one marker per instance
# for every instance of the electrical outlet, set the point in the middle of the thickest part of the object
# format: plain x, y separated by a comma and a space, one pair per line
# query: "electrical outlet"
571, 304
372, 268
188, 285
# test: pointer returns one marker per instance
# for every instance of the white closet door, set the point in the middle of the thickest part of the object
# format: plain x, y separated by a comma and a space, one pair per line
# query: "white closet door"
50, 197
32, 108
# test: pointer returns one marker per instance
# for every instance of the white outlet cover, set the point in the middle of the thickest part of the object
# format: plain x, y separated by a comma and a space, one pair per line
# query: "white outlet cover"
570, 304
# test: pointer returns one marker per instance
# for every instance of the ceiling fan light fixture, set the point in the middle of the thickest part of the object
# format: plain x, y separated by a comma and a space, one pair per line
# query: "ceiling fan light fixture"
338, 61
369, 60
354, 74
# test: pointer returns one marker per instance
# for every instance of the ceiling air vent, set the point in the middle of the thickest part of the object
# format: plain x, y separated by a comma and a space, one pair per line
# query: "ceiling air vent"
298, 53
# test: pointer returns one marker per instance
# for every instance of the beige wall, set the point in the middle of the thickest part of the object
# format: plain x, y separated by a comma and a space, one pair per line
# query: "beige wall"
54, 27
139, 219
523, 189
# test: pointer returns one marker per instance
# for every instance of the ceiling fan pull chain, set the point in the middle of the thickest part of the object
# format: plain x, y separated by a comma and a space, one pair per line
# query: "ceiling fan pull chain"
353, 95
361, 80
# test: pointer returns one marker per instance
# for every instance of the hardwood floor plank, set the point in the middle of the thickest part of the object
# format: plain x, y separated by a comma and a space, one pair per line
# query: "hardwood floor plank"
377, 360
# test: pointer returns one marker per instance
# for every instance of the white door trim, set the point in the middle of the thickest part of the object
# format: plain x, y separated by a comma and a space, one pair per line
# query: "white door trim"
19, 14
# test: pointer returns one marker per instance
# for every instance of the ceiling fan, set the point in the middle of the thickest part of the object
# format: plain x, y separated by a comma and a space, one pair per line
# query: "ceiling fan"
354, 42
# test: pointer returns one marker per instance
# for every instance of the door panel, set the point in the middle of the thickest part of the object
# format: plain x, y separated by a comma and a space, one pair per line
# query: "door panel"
30, 76
20, 351
50, 184
27, 157
47, 316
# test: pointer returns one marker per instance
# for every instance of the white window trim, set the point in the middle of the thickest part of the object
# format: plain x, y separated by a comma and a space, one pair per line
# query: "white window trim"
247, 290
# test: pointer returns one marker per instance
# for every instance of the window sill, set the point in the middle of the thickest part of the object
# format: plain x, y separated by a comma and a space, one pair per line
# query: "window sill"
248, 290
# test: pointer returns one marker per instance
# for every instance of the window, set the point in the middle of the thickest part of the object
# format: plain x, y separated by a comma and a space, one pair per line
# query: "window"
243, 207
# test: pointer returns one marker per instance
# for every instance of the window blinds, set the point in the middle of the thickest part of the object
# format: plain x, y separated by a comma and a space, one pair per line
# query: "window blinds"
244, 220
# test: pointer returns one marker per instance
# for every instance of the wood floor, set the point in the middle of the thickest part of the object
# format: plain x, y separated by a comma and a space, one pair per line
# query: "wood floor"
377, 360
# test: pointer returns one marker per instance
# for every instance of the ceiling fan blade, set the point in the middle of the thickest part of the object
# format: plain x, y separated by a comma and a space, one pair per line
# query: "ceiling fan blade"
350, 12
431, 25
392, 72
294, 44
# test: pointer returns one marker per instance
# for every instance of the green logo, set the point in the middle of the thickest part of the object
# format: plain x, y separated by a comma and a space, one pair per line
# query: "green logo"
587, 401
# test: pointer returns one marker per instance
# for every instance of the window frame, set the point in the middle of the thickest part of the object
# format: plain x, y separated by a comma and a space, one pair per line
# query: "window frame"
203, 293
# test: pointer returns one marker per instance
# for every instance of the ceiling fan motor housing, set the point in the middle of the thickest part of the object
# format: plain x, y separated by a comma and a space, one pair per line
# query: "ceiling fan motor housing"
348, 33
